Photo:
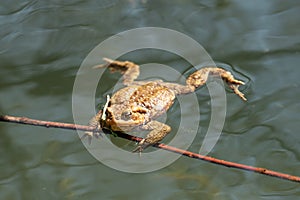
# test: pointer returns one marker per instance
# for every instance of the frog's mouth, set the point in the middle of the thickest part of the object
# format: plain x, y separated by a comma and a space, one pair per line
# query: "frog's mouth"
121, 125
126, 122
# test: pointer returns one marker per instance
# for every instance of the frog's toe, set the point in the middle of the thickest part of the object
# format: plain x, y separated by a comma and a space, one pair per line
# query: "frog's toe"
236, 90
90, 135
141, 146
138, 149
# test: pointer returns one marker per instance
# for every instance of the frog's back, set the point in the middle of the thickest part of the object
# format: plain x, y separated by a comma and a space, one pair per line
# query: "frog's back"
154, 98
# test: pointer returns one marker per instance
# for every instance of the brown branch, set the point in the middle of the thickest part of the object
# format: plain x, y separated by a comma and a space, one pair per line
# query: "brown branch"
48, 124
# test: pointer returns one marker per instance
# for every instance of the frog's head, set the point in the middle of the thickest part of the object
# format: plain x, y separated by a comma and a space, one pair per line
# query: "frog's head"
125, 120
126, 115
135, 114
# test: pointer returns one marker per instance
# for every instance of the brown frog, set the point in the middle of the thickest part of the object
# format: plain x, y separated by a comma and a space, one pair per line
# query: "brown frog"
138, 104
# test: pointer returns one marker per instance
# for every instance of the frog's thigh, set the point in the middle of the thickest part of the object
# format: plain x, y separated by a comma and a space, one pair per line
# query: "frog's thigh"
158, 131
178, 88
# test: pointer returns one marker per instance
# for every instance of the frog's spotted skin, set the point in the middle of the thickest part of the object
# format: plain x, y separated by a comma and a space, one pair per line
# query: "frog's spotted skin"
138, 104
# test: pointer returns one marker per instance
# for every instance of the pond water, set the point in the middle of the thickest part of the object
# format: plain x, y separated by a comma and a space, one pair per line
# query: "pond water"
43, 44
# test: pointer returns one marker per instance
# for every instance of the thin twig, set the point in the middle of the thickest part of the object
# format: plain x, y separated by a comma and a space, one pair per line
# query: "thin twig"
48, 124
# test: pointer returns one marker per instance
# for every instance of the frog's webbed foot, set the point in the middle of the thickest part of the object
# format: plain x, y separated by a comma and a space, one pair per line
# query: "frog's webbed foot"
129, 70
157, 133
233, 83
235, 88
90, 135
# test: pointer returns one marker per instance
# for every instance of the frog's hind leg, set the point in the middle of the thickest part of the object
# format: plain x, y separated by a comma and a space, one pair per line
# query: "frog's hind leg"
199, 78
129, 70
158, 132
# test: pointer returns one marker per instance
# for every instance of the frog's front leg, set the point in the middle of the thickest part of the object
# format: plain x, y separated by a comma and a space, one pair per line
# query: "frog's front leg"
94, 122
158, 132
129, 70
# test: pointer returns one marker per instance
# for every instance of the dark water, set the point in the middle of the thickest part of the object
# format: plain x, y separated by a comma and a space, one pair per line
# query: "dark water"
43, 44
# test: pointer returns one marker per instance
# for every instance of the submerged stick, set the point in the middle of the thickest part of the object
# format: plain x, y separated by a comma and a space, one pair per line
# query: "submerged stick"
48, 124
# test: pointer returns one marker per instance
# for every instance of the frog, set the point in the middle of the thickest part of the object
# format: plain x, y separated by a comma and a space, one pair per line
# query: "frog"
138, 104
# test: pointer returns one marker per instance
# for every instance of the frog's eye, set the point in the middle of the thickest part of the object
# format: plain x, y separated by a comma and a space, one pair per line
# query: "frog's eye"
126, 115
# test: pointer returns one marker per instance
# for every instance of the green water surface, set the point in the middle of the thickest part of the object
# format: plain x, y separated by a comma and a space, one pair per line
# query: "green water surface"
43, 43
